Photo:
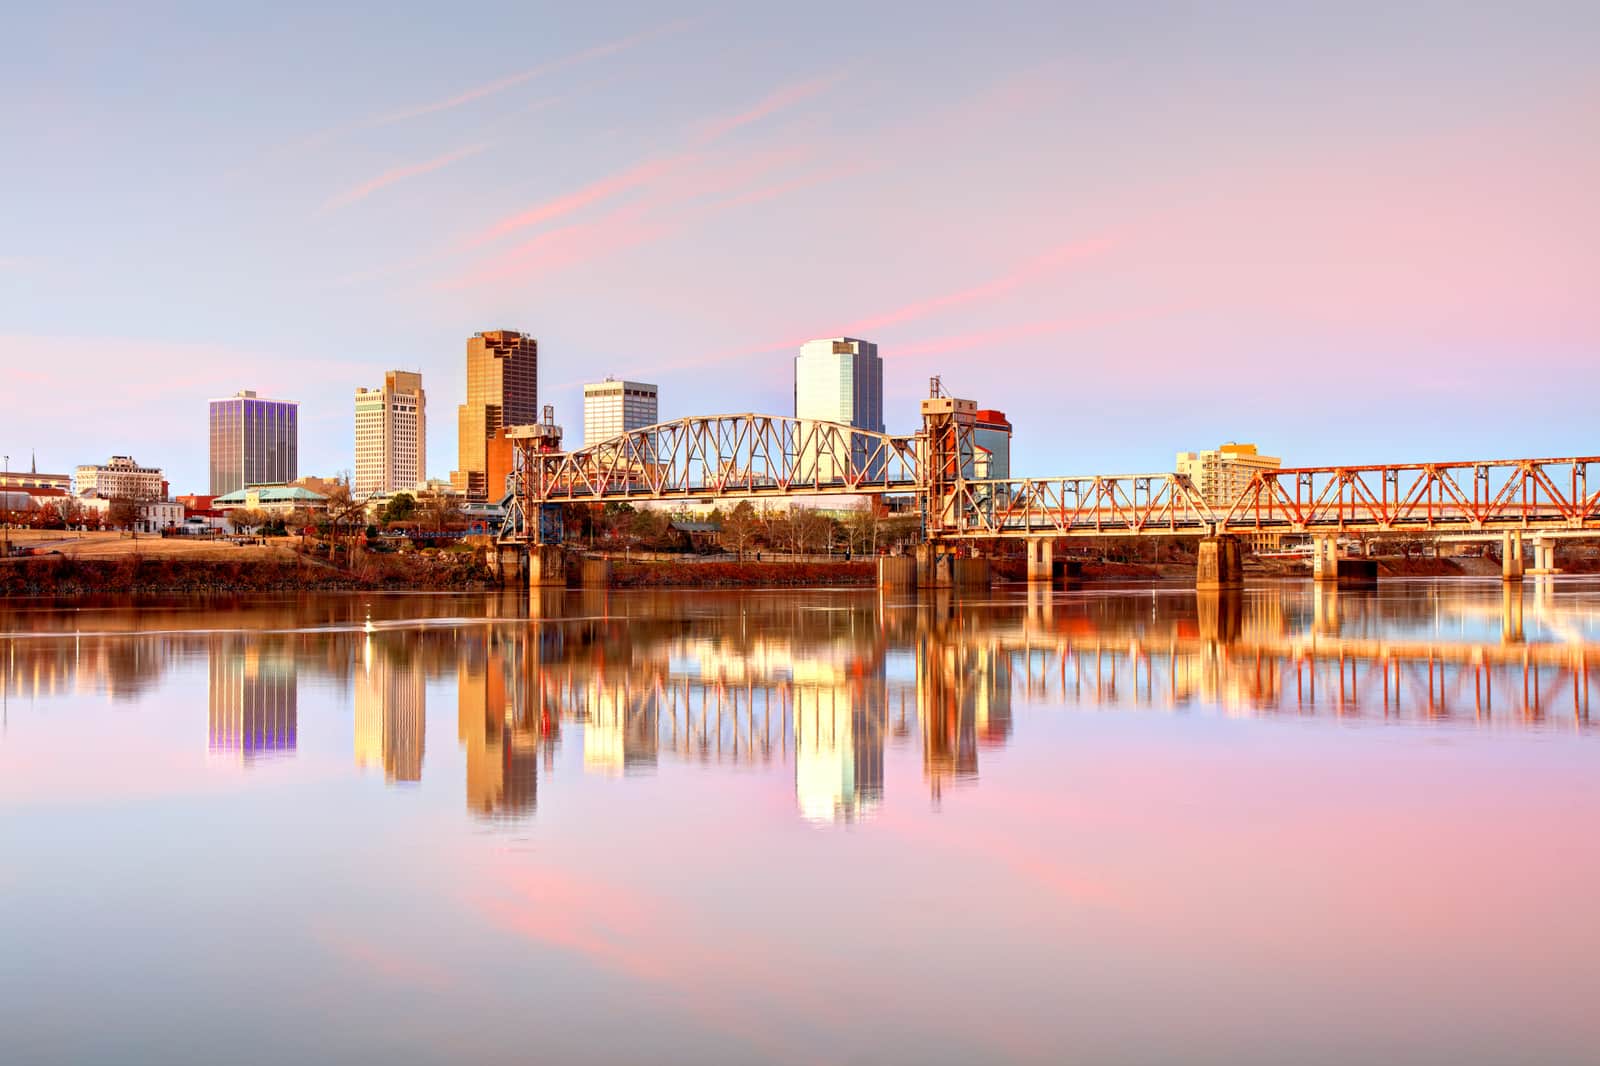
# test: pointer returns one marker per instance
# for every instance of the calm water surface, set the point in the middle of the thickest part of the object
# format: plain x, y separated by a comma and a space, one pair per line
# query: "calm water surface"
1126, 826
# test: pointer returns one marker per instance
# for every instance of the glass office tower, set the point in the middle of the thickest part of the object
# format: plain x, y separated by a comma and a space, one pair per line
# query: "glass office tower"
253, 442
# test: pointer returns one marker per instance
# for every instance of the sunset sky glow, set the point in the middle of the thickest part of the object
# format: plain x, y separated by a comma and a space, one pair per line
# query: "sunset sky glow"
1348, 233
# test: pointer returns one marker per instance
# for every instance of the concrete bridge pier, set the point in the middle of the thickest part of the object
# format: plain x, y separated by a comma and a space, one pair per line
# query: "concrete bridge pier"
1544, 556
1511, 557
939, 567
1219, 563
933, 567
897, 573
1324, 559
1041, 560
547, 566
594, 573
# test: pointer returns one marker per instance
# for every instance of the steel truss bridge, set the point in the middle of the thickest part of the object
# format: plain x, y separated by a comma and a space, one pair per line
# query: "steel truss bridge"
759, 457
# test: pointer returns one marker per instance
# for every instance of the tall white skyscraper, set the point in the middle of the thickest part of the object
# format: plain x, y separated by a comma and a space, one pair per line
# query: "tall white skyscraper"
612, 408
391, 435
840, 379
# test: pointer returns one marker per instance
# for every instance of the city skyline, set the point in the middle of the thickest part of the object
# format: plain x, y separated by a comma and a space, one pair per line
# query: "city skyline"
1185, 218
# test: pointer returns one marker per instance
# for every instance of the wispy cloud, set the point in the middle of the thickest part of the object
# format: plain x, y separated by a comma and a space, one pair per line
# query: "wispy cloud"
477, 92
774, 102
389, 177
511, 81
649, 170
1008, 334
594, 192
1029, 270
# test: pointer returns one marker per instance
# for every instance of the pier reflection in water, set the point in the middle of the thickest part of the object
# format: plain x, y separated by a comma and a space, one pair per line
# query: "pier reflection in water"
1128, 825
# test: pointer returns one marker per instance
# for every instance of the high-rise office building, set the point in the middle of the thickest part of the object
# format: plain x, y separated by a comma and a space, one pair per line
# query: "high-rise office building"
391, 435
840, 379
612, 408
502, 390
253, 442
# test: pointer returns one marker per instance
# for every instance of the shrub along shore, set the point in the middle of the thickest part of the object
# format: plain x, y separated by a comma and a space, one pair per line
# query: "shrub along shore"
63, 575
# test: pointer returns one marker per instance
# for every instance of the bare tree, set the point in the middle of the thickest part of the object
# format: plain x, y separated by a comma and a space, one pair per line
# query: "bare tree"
441, 511
124, 513
739, 528
862, 528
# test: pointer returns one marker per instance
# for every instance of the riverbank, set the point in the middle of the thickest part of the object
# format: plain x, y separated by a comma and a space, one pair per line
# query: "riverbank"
67, 575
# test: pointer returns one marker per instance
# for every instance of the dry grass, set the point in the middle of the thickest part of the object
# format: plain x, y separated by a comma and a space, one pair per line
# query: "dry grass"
103, 545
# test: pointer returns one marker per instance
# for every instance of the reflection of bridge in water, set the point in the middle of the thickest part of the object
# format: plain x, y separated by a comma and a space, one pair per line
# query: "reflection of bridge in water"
843, 687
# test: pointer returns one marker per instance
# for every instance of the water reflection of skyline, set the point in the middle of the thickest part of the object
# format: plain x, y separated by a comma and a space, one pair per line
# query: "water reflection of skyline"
826, 683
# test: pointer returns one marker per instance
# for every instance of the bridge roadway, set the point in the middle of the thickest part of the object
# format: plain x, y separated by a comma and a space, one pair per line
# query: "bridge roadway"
750, 456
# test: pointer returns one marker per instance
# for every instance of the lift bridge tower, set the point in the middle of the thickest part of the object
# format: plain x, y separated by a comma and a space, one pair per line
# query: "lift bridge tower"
543, 530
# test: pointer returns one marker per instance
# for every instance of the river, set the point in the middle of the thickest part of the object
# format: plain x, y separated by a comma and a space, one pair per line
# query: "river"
1124, 825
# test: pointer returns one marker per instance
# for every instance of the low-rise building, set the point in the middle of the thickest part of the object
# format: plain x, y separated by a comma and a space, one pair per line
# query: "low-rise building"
32, 479
272, 499
147, 516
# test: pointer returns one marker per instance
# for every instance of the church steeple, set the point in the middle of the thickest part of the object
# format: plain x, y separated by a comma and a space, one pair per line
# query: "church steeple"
35, 468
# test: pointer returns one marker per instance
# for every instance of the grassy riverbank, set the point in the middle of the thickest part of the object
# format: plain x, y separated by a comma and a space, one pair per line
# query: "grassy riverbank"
67, 575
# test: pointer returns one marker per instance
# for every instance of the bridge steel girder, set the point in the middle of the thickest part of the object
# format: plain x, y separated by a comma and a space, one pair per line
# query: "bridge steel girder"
744, 456
755, 456
1531, 495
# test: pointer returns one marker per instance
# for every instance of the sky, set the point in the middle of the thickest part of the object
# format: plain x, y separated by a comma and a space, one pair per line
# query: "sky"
1348, 233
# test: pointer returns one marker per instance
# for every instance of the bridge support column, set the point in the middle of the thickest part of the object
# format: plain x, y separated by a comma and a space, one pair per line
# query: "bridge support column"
1511, 557
594, 573
1220, 564
934, 569
547, 566
1544, 556
971, 574
1324, 558
1041, 560
897, 573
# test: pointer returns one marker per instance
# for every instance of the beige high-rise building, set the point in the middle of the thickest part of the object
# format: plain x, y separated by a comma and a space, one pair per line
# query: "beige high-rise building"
502, 390
1223, 474
121, 478
612, 408
391, 435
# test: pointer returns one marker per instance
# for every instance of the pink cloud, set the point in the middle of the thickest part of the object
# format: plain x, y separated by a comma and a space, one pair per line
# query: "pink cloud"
389, 177
603, 189
782, 98
650, 170
1029, 270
